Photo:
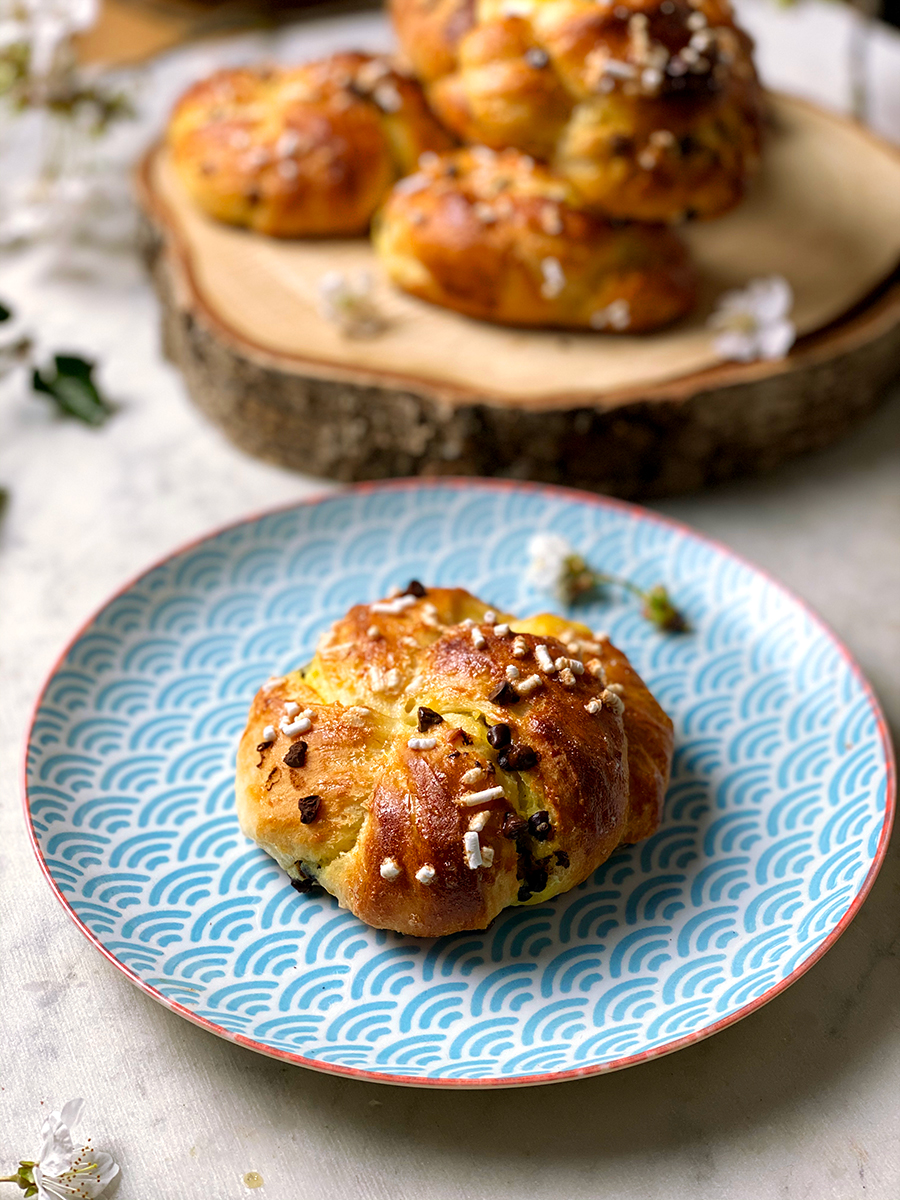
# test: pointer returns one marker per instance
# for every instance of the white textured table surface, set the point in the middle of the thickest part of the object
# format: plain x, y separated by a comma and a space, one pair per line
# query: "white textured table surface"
799, 1100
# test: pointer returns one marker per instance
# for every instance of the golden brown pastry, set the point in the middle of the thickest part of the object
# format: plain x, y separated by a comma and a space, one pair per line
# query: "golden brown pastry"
301, 151
498, 237
437, 762
650, 107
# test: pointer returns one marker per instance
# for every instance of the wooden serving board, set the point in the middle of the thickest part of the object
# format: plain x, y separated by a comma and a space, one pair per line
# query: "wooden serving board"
635, 416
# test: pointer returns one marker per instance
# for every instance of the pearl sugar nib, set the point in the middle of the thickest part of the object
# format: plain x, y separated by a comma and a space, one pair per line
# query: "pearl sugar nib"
389, 870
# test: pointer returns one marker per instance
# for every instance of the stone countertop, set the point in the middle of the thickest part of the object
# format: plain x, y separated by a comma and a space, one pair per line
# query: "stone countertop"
798, 1100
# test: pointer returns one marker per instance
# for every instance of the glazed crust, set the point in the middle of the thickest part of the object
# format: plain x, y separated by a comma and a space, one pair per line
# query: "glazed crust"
303, 151
651, 108
360, 798
498, 237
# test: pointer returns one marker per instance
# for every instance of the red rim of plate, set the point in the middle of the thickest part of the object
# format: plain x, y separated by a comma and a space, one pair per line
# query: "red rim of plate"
462, 482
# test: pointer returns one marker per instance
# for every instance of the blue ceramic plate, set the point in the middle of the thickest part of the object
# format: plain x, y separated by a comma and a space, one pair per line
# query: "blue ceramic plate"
775, 824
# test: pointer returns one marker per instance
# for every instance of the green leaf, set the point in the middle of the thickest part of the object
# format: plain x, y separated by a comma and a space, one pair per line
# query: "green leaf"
659, 609
5, 313
73, 389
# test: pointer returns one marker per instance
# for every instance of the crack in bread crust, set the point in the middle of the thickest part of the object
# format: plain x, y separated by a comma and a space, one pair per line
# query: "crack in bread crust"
395, 800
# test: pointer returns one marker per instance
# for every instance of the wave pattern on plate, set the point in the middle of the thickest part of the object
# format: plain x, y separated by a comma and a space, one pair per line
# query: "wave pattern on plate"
772, 820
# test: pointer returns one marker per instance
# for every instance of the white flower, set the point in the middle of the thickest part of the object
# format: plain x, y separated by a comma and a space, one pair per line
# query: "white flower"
349, 304
753, 322
554, 566
64, 1172
547, 554
44, 26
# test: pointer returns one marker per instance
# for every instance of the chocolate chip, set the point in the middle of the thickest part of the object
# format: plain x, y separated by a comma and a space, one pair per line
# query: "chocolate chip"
428, 718
499, 735
686, 144
271, 779
253, 196
536, 874
261, 751
513, 826
562, 858
523, 895
303, 885
517, 758
539, 826
296, 755
309, 809
504, 693
303, 882
620, 144
416, 589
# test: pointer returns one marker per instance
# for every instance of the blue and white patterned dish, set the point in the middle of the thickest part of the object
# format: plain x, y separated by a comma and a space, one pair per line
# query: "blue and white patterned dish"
775, 824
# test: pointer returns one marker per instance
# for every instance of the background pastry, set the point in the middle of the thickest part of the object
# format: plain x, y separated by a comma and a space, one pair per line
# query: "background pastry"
437, 762
499, 237
301, 151
650, 107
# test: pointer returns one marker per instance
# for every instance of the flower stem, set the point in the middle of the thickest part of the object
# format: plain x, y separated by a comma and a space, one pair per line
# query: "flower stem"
657, 605
605, 580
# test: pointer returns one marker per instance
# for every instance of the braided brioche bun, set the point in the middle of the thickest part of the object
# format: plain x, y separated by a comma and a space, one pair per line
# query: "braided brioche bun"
498, 237
302, 151
404, 773
651, 108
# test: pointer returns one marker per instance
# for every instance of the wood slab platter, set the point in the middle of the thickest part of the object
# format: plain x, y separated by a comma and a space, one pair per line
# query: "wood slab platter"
438, 393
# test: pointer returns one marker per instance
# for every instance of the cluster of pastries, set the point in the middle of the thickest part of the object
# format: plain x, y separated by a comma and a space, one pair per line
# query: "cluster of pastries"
437, 762
589, 129
650, 108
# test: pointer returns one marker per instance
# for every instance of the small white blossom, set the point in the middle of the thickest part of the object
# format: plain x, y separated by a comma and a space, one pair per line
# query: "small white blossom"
555, 566
349, 304
44, 26
63, 1171
753, 322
